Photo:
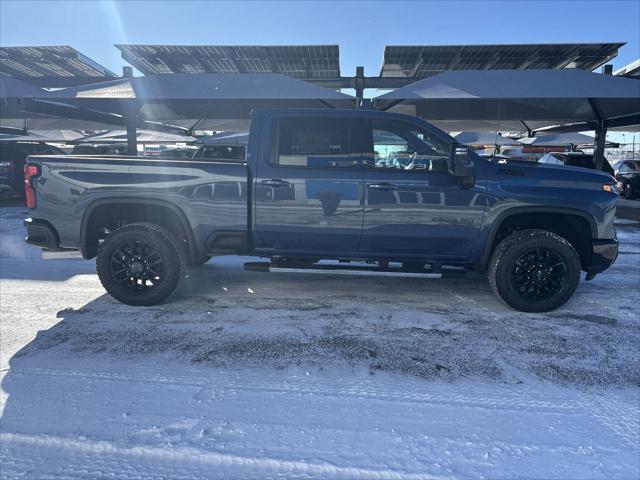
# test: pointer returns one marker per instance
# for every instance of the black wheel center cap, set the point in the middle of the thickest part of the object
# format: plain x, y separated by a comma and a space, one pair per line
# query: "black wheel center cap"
136, 268
540, 274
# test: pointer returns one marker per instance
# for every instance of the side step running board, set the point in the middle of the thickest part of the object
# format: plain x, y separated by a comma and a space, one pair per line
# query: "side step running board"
61, 253
364, 270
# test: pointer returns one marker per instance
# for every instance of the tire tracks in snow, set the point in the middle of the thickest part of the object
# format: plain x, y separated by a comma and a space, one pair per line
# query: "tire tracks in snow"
209, 386
126, 459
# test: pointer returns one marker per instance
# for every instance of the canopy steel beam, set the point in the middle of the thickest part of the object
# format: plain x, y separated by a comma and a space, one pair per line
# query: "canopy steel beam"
131, 122
598, 151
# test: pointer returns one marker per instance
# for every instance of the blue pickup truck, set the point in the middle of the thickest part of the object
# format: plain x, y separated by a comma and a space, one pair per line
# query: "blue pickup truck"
387, 193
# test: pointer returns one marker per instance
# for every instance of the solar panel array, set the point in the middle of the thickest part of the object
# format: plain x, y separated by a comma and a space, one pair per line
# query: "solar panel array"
631, 70
49, 61
426, 60
316, 61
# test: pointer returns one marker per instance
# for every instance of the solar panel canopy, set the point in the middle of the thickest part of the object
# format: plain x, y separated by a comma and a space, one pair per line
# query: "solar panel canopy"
423, 61
311, 61
630, 70
49, 62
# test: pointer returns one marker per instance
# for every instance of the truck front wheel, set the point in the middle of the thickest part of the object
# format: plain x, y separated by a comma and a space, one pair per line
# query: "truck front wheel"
140, 264
534, 270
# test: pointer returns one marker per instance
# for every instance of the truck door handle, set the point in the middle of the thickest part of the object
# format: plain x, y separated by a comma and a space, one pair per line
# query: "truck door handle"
383, 186
275, 182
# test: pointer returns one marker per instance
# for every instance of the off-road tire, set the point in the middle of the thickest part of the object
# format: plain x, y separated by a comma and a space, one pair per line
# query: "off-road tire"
503, 264
163, 242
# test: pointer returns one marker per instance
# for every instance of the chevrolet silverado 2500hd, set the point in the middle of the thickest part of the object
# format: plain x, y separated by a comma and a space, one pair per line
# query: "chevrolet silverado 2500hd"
383, 192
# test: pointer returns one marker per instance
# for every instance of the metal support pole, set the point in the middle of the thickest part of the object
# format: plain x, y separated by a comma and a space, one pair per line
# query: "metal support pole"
598, 151
131, 122
132, 136
358, 84
530, 133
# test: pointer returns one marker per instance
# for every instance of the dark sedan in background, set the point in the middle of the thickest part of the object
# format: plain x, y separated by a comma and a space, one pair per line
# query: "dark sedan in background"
12, 159
628, 178
574, 159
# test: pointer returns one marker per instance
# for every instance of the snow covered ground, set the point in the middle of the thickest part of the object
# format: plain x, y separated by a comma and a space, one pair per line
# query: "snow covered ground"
250, 375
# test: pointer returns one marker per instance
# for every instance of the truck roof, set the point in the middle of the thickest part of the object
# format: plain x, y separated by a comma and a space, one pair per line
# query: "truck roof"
340, 112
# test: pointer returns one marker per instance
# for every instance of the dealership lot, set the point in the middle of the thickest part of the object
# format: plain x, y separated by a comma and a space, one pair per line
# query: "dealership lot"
254, 374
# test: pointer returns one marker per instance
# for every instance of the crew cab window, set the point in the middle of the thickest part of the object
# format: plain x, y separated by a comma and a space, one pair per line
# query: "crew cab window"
399, 145
313, 142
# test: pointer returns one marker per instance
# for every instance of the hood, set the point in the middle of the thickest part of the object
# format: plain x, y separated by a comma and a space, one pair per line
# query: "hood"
556, 173
575, 170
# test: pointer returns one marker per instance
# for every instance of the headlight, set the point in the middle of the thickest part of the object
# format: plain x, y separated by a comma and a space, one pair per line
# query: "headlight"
608, 187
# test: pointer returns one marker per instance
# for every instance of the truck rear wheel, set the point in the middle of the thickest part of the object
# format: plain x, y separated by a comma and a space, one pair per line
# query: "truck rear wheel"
534, 270
140, 264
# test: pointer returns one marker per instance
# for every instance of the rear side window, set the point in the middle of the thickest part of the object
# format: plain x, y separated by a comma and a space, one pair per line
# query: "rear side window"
312, 142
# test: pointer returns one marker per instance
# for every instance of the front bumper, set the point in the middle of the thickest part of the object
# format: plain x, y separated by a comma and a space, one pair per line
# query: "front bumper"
603, 254
41, 234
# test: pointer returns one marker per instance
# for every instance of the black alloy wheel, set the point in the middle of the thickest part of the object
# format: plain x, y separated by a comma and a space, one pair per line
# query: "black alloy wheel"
539, 273
137, 265
534, 270
140, 264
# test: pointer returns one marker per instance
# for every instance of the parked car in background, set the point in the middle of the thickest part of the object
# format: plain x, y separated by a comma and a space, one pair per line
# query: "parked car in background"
516, 153
110, 149
495, 157
12, 159
574, 159
178, 152
627, 173
235, 153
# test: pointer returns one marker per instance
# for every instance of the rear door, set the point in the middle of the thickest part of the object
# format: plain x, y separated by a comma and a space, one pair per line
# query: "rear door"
308, 195
413, 206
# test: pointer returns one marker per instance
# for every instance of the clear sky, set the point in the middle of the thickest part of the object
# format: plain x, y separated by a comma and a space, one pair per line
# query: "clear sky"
360, 28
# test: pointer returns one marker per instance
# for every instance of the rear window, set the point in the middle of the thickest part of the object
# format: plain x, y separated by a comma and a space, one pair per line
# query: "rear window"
581, 161
221, 152
312, 142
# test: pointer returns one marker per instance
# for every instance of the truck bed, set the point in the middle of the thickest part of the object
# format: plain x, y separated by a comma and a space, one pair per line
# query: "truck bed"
211, 195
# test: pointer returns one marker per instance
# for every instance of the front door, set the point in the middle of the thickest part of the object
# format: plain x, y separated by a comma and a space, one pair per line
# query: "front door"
309, 194
413, 205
